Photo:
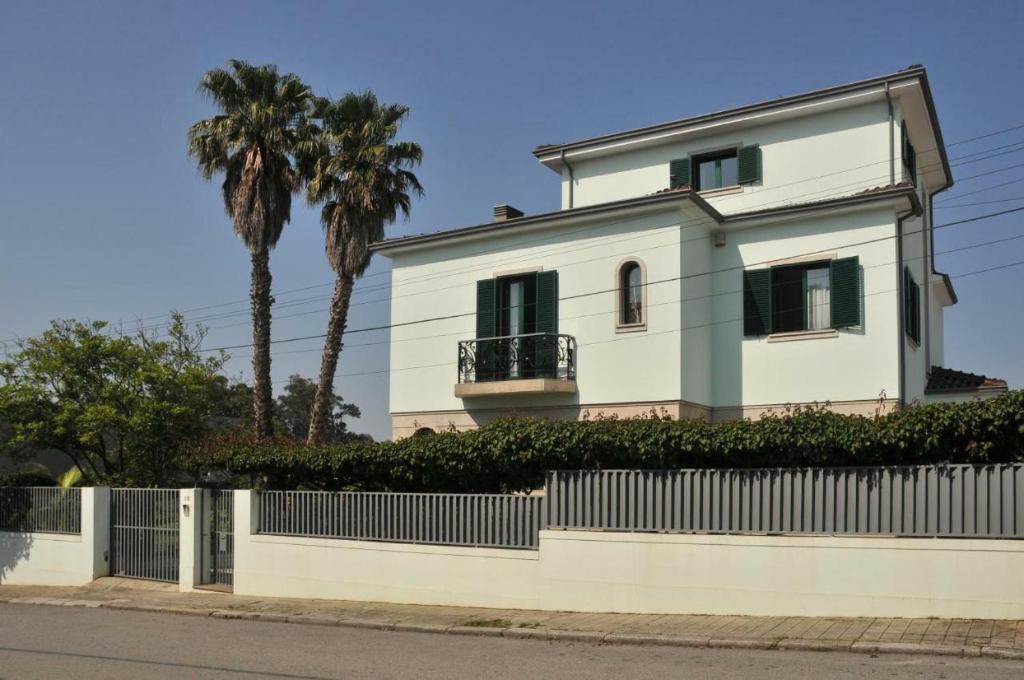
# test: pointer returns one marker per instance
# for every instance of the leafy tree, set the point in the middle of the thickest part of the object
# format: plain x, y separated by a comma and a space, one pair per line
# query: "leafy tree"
295, 407
362, 176
262, 121
121, 407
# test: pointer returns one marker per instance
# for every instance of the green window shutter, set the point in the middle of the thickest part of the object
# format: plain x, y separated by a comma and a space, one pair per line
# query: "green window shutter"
757, 302
915, 309
486, 327
547, 302
908, 305
486, 314
844, 282
748, 162
679, 173
915, 300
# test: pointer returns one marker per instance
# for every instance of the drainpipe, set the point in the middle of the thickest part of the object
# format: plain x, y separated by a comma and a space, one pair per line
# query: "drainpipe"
900, 320
572, 177
892, 147
926, 266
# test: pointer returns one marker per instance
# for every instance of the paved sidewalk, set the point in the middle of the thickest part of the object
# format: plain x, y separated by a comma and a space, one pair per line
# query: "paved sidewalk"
959, 637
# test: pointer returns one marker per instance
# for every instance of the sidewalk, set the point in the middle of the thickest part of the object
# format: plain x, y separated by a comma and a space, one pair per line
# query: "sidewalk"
959, 637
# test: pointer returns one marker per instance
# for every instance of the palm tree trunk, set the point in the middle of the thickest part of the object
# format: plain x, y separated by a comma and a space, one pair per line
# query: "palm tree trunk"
259, 294
324, 402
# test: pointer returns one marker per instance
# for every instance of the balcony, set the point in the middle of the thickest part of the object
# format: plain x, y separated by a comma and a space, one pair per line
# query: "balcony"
537, 363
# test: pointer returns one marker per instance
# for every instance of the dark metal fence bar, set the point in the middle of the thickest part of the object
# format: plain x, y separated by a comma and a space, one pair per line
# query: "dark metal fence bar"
43, 509
490, 520
144, 533
940, 500
222, 531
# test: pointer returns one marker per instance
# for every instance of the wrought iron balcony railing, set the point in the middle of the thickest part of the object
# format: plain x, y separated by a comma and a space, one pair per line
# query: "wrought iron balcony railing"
515, 357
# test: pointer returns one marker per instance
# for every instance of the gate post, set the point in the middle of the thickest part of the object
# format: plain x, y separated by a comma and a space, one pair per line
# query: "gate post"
95, 528
190, 550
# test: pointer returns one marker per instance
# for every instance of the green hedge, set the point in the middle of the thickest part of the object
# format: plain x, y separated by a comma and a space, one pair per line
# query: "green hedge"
513, 454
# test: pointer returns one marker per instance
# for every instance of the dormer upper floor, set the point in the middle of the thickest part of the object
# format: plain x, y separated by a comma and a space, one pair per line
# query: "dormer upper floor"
809, 147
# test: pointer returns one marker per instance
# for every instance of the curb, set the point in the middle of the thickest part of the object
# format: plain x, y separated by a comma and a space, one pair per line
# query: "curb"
544, 634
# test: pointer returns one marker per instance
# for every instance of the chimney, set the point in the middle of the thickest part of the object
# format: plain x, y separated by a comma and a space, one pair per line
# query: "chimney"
506, 212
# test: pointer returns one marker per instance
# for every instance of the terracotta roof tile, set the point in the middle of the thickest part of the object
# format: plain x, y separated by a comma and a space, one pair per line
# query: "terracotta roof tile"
950, 380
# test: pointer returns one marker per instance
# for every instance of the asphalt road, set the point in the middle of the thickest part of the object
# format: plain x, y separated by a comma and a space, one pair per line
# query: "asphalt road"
66, 642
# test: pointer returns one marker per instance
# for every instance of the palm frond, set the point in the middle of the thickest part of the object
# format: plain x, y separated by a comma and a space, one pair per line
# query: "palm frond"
263, 123
360, 173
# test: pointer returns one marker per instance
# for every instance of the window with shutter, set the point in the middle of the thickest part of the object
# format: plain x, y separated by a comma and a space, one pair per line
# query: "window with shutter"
757, 302
911, 307
679, 173
486, 327
844, 276
749, 164
802, 297
909, 156
547, 302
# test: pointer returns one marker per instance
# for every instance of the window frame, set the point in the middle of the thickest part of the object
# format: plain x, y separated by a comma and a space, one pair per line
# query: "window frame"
908, 154
804, 267
620, 296
721, 154
911, 307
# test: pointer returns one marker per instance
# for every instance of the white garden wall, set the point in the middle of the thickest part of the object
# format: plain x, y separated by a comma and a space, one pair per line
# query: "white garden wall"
597, 571
46, 559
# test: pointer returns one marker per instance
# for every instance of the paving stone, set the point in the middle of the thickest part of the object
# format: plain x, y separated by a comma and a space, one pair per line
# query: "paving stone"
659, 640
915, 648
1003, 653
815, 645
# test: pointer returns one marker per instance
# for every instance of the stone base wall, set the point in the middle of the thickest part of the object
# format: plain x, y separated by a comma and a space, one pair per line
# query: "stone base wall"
407, 424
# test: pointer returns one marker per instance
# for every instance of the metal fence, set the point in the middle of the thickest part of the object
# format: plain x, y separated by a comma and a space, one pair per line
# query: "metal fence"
948, 500
490, 520
43, 509
144, 533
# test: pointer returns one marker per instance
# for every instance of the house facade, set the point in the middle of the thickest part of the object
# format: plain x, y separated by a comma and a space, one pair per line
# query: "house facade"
715, 267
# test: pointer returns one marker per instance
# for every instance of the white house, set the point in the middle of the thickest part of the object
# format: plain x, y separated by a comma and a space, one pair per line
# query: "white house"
715, 267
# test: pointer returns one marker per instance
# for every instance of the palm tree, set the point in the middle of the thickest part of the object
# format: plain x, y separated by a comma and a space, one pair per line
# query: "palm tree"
261, 122
362, 176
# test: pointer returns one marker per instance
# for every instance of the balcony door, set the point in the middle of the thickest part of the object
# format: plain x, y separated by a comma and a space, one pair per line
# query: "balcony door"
516, 327
517, 316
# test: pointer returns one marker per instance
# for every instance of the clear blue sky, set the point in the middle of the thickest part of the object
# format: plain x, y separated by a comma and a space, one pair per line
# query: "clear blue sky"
105, 217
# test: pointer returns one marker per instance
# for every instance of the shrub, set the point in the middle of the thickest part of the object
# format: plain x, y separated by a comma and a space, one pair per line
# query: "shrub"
513, 454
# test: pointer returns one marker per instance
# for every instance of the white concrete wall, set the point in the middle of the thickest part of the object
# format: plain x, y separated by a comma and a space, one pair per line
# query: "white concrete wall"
858, 364
44, 559
597, 571
809, 158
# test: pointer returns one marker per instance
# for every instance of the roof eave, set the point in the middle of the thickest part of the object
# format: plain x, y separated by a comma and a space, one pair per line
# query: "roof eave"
546, 152
652, 201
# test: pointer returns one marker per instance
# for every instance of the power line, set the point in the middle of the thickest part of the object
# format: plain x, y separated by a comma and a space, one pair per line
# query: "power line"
610, 240
640, 336
311, 287
737, 291
739, 267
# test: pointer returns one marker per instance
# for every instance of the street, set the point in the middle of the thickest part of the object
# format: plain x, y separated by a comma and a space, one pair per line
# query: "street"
64, 642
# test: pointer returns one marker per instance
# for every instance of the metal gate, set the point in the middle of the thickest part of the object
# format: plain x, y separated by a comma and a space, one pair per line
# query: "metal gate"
221, 518
144, 533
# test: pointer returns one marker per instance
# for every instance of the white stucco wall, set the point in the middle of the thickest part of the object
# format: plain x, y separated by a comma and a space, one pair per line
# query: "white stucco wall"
693, 348
44, 559
858, 364
280, 566
781, 575
833, 153
612, 367
598, 571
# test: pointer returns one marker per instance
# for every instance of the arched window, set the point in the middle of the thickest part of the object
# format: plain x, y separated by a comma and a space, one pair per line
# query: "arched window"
631, 294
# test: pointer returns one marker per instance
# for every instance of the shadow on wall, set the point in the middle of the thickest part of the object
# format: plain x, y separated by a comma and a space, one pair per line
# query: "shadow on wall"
14, 548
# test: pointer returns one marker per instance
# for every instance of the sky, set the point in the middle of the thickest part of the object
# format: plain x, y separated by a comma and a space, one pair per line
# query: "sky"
104, 216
